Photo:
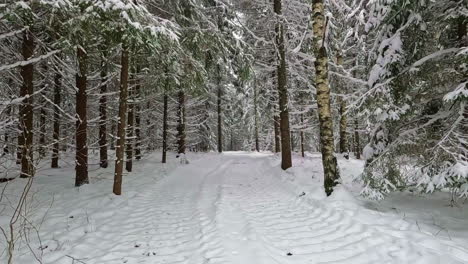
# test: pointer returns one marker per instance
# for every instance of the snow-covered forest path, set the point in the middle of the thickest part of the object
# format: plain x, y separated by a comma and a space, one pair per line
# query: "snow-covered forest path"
233, 208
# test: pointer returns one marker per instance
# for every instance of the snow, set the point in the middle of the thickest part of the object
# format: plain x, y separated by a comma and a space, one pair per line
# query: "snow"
236, 207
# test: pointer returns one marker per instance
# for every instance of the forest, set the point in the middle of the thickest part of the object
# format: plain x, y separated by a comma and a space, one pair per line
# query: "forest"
233, 131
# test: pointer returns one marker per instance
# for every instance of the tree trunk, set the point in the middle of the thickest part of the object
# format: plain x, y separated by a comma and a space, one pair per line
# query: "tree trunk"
164, 141
103, 159
26, 108
286, 161
42, 119
113, 135
302, 136
81, 167
330, 167
181, 123
137, 118
6, 149
130, 126
220, 128
257, 142
343, 130
277, 131
119, 153
357, 144
56, 134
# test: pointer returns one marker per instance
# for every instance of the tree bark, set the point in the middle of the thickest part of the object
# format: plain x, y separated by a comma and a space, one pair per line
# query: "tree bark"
103, 158
220, 120
130, 126
330, 167
276, 130
137, 118
81, 167
119, 152
6, 149
26, 108
357, 144
164, 141
181, 123
113, 135
286, 160
56, 134
343, 130
257, 142
302, 136
42, 119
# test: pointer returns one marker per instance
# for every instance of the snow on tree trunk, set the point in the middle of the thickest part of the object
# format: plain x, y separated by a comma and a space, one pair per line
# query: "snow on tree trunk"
121, 125
26, 115
357, 143
164, 135
257, 142
56, 133
302, 136
330, 167
103, 159
137, 118
343, 130
286, 160
181, 123
81, 168
130, 125
220, 119
43, 116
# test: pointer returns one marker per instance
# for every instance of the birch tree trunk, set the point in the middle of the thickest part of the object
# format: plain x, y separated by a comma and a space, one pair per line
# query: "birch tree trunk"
120, 148
286, 161
330, 167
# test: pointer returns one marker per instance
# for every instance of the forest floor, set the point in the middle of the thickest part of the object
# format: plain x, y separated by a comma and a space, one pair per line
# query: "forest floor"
237, 208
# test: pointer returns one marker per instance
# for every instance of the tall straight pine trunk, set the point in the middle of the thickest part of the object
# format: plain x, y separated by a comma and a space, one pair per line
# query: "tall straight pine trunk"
220, 118
302, 136
344, 149
56, 133
138, 117
357, 143
43, 117
164, 141
257, 141
103, 158
276, 129
330, 167
286, 161
181, 123
26, 108
130, 126
81, 168
343, 130
120, 148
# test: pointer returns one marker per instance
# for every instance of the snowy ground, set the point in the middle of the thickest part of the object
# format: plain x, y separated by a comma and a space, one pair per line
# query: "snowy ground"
237, 208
